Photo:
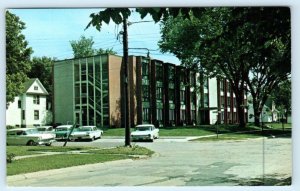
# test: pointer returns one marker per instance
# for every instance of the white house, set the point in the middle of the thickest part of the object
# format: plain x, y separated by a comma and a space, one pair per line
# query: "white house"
269, 113
30, 108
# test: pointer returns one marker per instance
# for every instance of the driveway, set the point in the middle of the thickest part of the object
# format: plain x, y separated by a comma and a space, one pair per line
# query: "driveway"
177, 162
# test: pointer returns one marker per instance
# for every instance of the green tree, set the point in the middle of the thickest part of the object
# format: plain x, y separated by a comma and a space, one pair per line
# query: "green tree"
282, 97
248, 46
106, 51
83, 47
17, 57
41, 68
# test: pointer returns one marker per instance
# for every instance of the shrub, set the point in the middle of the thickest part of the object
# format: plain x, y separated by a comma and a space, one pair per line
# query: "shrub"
10, 157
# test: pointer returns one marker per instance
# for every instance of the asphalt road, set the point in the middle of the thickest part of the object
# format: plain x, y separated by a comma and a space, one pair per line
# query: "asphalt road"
177, 162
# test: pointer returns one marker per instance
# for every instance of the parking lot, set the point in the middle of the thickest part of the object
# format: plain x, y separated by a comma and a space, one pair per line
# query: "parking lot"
177, 162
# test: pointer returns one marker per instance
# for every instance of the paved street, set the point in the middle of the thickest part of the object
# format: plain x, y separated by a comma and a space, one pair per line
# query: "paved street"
177, 162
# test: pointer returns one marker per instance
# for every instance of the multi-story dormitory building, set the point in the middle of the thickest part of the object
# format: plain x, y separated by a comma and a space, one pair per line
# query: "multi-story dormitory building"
88, 91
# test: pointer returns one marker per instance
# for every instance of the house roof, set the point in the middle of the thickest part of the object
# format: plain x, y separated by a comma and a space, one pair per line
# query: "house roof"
30, 82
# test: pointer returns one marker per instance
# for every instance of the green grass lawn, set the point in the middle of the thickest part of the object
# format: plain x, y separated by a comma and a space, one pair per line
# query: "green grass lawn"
185, 131
204, 130
174, 131
115, 132
87, 156
31, 150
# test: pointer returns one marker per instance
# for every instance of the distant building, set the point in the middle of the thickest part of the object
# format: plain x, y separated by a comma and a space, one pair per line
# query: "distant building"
269, 113
30, 108
88, 91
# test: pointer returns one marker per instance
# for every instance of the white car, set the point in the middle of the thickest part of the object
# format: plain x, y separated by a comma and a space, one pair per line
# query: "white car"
145, 132
86, 132
46, 129
28, 136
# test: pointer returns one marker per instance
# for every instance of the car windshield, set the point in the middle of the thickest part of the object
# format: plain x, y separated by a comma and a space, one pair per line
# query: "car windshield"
62, 129
143, 128
31, 131
85, 129
41, 129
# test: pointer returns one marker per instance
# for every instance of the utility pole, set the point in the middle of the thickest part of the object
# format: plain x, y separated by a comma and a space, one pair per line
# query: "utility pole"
125, 62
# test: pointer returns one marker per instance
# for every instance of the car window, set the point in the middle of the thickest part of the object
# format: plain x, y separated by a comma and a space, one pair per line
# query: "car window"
61, 129
12, 133
31, 131
85, 129
143, 128
21, 133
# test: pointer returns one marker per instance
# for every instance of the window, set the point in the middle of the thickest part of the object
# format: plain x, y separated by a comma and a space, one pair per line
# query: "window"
205, 83
159, 73
221, 85
171, 95
182, 115
228, 87
171, 73
36, 87
222, 101
145, 92
171, 114
145, 114
36, 99
19, 104
36, 115
159, 93
228, 102
145, 71
206, 100
159, 114
23, 114
182, 95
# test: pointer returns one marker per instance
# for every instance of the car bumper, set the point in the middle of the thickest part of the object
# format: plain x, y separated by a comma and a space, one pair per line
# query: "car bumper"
141, 137
46, 142
80, 137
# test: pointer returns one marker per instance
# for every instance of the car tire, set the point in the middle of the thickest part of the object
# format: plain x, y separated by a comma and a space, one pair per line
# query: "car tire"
93, 138
48, 144
30, 143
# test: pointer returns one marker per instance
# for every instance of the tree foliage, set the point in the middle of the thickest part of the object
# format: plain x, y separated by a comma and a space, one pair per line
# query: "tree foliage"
84, 48
41, 68
282, 96
251, 47
247, 46
17, 57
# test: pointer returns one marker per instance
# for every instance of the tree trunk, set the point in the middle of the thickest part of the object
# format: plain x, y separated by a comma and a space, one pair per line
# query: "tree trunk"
256, 118
241, 109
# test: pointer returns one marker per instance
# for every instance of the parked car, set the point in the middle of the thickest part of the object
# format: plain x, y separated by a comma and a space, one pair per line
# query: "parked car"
62, 131
145, 132
46, 129
86, 132
28, 136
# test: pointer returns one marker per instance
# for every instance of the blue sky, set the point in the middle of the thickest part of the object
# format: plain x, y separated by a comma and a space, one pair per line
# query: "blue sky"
49, 32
